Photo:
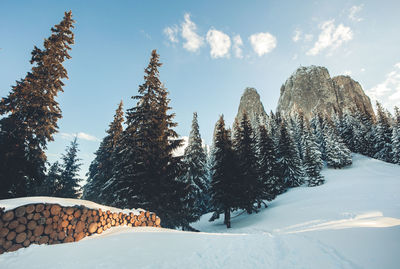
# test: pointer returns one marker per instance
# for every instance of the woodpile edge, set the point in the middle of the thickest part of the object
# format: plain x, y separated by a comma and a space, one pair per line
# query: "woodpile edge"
44, 223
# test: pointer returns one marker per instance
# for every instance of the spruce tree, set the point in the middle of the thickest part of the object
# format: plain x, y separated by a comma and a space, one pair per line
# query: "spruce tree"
268, 167
100, 170
69, 178
30, 114
244, 144
383, 135
289, 161
396, 137
146, 173
224, 178
51, 183
312, 160
337, 153
195, 176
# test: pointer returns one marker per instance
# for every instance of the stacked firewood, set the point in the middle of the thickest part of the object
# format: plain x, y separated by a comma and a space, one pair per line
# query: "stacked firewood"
54, 224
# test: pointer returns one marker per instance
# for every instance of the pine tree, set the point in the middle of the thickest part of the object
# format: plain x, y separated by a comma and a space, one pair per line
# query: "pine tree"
195, 176
224, 177
312, 160
146, 172
100, 170
51, 183
297, 127
289, 160
249, 189
383, 135
396, 137
69, 178
268, 167
31, 113
337, 153
317, 125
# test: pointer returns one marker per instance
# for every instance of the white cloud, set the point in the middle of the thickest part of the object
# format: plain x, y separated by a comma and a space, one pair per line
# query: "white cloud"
188, 32
388, 91
172, 33
362, 69
295, 56
353, 13
331, 37
297, 35
80, 135
308, 37
263, 43
220, 43
237, 46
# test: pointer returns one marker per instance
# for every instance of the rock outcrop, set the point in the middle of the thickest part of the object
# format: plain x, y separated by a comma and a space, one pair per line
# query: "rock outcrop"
251, 104
312, 89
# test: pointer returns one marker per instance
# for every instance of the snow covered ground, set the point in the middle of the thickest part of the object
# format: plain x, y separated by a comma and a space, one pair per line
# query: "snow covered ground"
352, 221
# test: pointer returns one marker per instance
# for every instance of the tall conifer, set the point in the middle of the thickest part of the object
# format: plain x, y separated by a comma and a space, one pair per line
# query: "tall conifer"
31, 113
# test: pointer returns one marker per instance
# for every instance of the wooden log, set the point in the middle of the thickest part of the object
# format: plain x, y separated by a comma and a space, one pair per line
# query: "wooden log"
69, 239
147, 214
38, 231
143, 224
61, 235
39, 208
65, 217
69, 211
7, 245
20, 228
69, 227
70, 217
48, 229
32, 225
32, 238
11, 235
8, 216
13, 224
64, 224
22, 220
79, 236
94, 213
49, 221
43, 240
92, 227
26, 243
80, 226
29, 233
3, 232
113, 222
47, 206
153, 217
55, 210
158, 221
56, 218
77, 213
29, 209
36, 216
20, 238
109, 225
20, 211
29, 216
84, 217
54, 235
15, 247
46, 213
99, 230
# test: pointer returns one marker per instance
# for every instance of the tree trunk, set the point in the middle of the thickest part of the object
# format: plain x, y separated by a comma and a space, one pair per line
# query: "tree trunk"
227, 220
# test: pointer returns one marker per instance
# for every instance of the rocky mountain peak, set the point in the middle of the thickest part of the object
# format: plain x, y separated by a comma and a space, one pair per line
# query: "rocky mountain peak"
312, 89
251, 103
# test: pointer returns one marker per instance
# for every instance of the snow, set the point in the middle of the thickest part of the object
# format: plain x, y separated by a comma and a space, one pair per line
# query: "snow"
352, 221
14, 203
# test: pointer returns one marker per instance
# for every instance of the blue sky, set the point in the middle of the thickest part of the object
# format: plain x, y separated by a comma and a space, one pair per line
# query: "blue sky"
211, 51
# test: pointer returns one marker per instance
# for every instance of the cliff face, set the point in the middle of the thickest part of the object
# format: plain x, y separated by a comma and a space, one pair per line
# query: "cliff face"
251, 104
312, 89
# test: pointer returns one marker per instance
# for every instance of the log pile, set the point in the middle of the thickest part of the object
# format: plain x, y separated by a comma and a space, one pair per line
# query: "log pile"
55, 224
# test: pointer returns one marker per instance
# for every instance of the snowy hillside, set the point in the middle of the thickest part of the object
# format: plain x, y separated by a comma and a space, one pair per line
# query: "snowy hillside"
352, 221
